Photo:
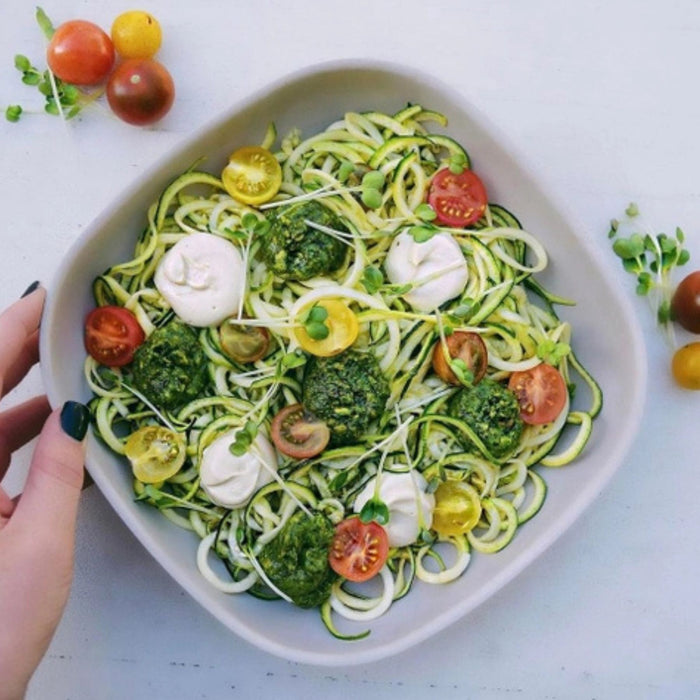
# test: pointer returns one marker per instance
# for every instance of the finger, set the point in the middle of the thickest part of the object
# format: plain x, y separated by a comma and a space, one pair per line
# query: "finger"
19, 425
17, 324
49, 503
27, 358
7, 505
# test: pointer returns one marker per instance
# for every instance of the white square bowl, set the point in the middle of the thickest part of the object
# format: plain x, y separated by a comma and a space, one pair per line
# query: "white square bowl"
603, 324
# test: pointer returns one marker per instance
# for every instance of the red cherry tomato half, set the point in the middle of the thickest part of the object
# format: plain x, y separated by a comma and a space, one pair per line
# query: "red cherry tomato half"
140, 91
298, 434
461, 345
458, 200
541, 392
80, 53
685, 303
358, 550
112, 334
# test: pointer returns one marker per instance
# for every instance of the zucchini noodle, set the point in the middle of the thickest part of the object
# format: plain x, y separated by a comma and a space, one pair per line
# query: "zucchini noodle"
501, 302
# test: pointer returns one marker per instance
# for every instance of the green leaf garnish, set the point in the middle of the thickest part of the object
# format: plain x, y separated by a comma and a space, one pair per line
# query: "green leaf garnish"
22, 63
375, 509
244, 439
552, 352
315, 323
44, 23
373, 180
345, 170
371, 198
13, 113
462, 371
425, 212
457, 164
421, 234
651, 258
372, 279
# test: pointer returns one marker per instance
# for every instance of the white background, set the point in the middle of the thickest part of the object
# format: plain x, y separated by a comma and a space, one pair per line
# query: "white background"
601, 99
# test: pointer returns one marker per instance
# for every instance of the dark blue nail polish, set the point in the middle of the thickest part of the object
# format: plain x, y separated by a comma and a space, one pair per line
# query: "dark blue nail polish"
75, 419
31, 288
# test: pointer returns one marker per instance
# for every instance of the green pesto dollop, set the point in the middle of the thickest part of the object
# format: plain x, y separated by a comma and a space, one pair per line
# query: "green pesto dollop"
492, 411
170, 368
293, 250
347, 391
296, 561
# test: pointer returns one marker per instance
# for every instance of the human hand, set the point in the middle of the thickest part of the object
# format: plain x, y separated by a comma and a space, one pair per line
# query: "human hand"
37, 529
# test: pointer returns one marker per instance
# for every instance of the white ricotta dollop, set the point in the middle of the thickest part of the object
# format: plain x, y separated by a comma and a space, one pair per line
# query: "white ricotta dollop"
201, 277
438, 260
229, 480
410, 507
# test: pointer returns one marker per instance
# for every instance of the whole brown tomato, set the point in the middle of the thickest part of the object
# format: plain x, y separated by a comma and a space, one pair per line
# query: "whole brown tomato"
140, 91
685, 304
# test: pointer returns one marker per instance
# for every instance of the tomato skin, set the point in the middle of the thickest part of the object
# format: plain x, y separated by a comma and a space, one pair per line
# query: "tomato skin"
253, 175
541, 392
459, 200
463, 345
685, 366
242, 343
140, 91
343, 329
80, 53
112, 335
358, 550
298, 434
685, 303
136, 34
457, 508
156, 453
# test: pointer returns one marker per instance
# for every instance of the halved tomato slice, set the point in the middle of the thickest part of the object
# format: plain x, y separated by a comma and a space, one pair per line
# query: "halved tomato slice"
296, 433
156, 453
457, 508
466, 346
341, 329
541, 392
242, 343
253, 175
358, 550
459, 200
112, 334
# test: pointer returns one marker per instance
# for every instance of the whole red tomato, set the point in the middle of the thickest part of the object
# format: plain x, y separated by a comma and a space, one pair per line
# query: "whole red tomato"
80, 53
140, 91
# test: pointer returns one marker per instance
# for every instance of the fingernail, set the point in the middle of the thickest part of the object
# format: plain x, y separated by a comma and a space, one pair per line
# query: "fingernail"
31, 288
75, 419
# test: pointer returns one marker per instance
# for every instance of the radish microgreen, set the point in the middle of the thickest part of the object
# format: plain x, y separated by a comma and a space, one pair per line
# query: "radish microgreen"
650, 258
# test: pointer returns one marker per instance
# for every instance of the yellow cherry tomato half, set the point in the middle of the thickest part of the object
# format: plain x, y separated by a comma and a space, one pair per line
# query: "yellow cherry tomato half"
156, 453
136, 34
341, 324
686, 366
253, 175
457, 508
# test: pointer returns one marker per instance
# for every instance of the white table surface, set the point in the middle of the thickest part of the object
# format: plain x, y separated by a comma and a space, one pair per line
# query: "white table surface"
602, 99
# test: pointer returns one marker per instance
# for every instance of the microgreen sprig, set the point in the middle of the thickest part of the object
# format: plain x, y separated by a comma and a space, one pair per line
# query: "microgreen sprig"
371, 189
458, 163
244, 439
552, 352
372, 279
650, 258
375, 509
315, 323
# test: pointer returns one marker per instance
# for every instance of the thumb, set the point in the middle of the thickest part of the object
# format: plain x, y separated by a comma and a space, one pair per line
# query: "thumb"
50, 498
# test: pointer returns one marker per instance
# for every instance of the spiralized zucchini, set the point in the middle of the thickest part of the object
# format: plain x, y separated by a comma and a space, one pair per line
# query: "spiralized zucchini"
502, 302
